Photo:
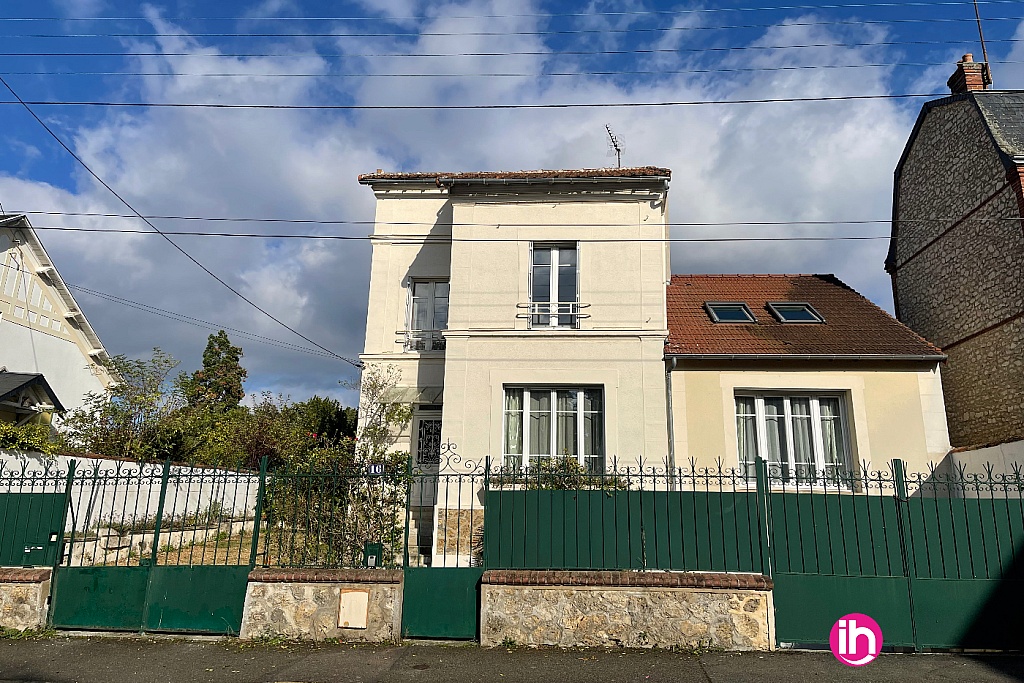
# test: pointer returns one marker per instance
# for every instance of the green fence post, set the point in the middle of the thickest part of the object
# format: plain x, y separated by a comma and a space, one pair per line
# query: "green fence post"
160, 510
763, 517
899, 481
63, 518
408, 510
258, 514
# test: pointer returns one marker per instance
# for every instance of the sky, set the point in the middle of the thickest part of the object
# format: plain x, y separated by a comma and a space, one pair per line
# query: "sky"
789, 162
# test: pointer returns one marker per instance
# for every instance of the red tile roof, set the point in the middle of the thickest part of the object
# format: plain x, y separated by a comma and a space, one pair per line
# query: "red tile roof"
637, 172
853, 325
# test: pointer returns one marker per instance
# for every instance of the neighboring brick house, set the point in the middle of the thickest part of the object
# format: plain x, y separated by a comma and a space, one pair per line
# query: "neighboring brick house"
956, 256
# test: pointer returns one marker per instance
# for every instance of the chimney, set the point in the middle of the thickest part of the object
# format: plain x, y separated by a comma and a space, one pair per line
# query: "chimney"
969, 75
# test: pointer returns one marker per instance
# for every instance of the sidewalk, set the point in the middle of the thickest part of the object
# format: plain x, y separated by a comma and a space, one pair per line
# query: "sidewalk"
109, 660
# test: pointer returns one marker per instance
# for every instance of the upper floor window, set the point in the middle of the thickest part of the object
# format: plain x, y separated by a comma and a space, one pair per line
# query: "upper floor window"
801, 435
428, 315
554, 278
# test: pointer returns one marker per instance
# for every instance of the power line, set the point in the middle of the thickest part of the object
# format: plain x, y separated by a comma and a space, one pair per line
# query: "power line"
701, 10
135, 211
317, 221
431, 239
198, 322
463, 107
550, 32
535, 74
180, 317
513, 53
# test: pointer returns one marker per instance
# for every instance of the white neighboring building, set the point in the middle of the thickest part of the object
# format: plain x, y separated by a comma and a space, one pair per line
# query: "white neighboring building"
42, 328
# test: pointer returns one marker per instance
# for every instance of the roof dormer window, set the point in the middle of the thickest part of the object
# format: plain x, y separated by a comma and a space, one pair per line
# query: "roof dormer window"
794, 312
729, 312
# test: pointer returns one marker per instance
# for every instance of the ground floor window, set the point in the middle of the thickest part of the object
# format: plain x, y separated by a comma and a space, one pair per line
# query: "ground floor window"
798, 435
546, 422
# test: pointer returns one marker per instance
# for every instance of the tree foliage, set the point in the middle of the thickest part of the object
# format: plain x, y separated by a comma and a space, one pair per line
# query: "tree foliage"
149, 416
218, 384
134, 418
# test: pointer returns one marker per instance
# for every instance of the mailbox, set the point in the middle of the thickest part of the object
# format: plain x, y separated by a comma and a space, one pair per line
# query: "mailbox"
373, 554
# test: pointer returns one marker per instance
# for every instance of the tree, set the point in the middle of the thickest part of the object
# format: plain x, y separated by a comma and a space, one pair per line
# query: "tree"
218, 385
134, 418
326, 420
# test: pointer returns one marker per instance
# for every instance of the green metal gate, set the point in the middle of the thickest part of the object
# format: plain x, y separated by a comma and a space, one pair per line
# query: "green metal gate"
444, 552
31, 520
441, 602
157, 548
934, 558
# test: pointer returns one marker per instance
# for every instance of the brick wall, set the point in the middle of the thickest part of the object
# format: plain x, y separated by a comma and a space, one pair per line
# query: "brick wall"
953, 280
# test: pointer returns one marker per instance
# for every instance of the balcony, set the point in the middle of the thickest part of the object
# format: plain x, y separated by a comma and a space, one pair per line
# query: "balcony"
553, 314
423, 340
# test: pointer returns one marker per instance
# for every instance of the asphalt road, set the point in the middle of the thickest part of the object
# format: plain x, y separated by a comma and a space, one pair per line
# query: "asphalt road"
143, 660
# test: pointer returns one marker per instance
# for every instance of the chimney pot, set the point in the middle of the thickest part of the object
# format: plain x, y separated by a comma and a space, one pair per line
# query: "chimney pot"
968, 57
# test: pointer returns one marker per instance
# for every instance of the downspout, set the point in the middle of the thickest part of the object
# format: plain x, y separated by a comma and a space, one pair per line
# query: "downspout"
670, 365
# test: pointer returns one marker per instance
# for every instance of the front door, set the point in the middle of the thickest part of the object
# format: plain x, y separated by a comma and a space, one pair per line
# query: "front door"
427, 459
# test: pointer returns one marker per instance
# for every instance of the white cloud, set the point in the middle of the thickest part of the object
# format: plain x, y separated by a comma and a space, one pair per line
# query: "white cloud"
791, 161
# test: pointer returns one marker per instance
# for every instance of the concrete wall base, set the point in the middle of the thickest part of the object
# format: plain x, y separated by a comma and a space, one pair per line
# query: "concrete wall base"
628, 609
24, 598
314, 604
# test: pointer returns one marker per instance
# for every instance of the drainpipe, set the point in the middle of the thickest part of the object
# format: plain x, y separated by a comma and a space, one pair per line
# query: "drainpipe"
670, 365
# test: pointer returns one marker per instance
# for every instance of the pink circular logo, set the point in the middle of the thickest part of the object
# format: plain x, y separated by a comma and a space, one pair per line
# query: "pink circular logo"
856, 640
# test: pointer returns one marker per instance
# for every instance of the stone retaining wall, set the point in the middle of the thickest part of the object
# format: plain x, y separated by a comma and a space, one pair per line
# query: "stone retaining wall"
24, 596
630, 609
316, 604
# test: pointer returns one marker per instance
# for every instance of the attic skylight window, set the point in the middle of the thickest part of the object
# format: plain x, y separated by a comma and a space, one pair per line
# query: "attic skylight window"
794, 312
729, 312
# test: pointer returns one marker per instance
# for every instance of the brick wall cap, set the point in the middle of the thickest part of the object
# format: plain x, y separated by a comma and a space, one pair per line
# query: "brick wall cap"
281, 575
527, 577
24, 574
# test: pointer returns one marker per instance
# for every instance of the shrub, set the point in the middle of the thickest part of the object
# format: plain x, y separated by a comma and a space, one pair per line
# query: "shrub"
31, 437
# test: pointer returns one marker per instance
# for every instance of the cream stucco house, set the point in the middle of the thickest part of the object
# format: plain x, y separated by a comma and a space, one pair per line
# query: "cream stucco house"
533, 314
42, 328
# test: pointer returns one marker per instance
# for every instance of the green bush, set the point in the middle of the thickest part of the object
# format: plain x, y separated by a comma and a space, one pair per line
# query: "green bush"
32, 437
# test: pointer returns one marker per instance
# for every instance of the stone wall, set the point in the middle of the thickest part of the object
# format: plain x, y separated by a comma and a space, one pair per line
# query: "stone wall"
629, 609
957, 269
460, 532
314, 604
24, 594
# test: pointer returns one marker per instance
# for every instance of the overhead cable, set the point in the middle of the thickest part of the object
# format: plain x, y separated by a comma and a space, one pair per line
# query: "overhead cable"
157, 230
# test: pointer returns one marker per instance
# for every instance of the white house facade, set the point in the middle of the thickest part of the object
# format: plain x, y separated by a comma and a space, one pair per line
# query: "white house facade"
42, 328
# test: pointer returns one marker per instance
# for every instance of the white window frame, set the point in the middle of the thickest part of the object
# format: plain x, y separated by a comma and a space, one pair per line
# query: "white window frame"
553, 314
525, 456
433, 341
817, 445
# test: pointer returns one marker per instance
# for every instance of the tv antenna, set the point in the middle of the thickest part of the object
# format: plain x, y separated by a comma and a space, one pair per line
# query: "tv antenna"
614, 145
984, 50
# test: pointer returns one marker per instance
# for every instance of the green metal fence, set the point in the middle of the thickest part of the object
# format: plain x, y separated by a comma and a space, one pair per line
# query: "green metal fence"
935, 558
643, 517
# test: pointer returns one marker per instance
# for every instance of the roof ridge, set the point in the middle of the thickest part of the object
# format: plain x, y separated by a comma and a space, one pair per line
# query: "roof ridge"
752, 275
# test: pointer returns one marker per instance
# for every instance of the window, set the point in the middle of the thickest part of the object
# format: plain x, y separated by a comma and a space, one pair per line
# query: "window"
729, 312
794, 312
554, 300
554, 422
801, 435
428, 315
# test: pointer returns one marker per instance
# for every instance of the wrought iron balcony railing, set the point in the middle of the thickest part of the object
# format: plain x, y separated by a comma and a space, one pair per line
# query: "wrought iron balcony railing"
423, 340
558, 314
